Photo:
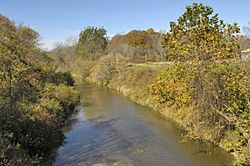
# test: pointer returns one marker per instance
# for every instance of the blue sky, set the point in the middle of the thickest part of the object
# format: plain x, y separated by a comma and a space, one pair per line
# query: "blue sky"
56, 20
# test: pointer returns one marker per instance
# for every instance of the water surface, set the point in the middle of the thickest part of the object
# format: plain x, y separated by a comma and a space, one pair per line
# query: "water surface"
110, 128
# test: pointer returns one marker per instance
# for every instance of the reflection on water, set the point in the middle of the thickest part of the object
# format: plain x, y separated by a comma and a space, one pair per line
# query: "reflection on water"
110, 128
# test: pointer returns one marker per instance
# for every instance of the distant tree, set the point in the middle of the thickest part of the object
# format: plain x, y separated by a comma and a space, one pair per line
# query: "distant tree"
138, 45
137, 38
200, 35
91, 41
247, 30
245, 39
244, 42
107, 67
64, 55
151, 30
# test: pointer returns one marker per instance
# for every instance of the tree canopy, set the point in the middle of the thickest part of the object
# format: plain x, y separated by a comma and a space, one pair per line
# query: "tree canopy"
199, 35
91, 41
138, 45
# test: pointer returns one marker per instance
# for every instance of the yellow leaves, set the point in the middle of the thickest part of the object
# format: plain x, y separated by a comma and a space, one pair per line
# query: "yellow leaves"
205, 34
2, 74
172, 87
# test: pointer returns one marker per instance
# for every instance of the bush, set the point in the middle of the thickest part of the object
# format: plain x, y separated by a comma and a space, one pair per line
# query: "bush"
59, 78
217, 95
50, 111
22, 144
13, 154
68, 97
39, 139
173, 86
82, 68
220, 87
106, 67
136, 76
30, 112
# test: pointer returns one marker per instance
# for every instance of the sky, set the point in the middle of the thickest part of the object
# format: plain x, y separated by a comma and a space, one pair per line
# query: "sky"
57, 20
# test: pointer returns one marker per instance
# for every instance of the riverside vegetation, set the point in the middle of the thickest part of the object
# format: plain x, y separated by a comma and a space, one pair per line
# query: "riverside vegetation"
34, 99
191, 74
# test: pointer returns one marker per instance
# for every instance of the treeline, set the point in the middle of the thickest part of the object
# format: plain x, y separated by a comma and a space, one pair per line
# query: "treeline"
34, 99
138, 46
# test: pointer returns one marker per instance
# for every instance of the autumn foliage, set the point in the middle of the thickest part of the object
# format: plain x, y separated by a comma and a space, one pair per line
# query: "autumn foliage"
34, 99
138, 45
205, 77
199, 35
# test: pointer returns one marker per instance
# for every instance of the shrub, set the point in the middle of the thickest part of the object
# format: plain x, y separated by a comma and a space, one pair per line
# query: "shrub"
22, 144
82, 68
39, 139
173, 86
218, 96
106, 67
58, 78
30, 116
137, 76
66, 96
13, 154
49, 111
221, 88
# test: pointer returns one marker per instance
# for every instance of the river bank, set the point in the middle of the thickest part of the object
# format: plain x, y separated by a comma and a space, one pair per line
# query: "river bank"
134, 82
110, 129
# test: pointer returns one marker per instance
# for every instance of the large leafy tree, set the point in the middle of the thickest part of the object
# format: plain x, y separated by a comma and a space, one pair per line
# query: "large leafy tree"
92, 40
199, 35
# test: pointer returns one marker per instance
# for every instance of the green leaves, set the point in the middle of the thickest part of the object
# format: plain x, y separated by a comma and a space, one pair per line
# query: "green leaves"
26, 100
92, 40
199, 35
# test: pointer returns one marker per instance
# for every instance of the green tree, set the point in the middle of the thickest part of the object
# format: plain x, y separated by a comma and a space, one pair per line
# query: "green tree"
92, 41
200, 35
